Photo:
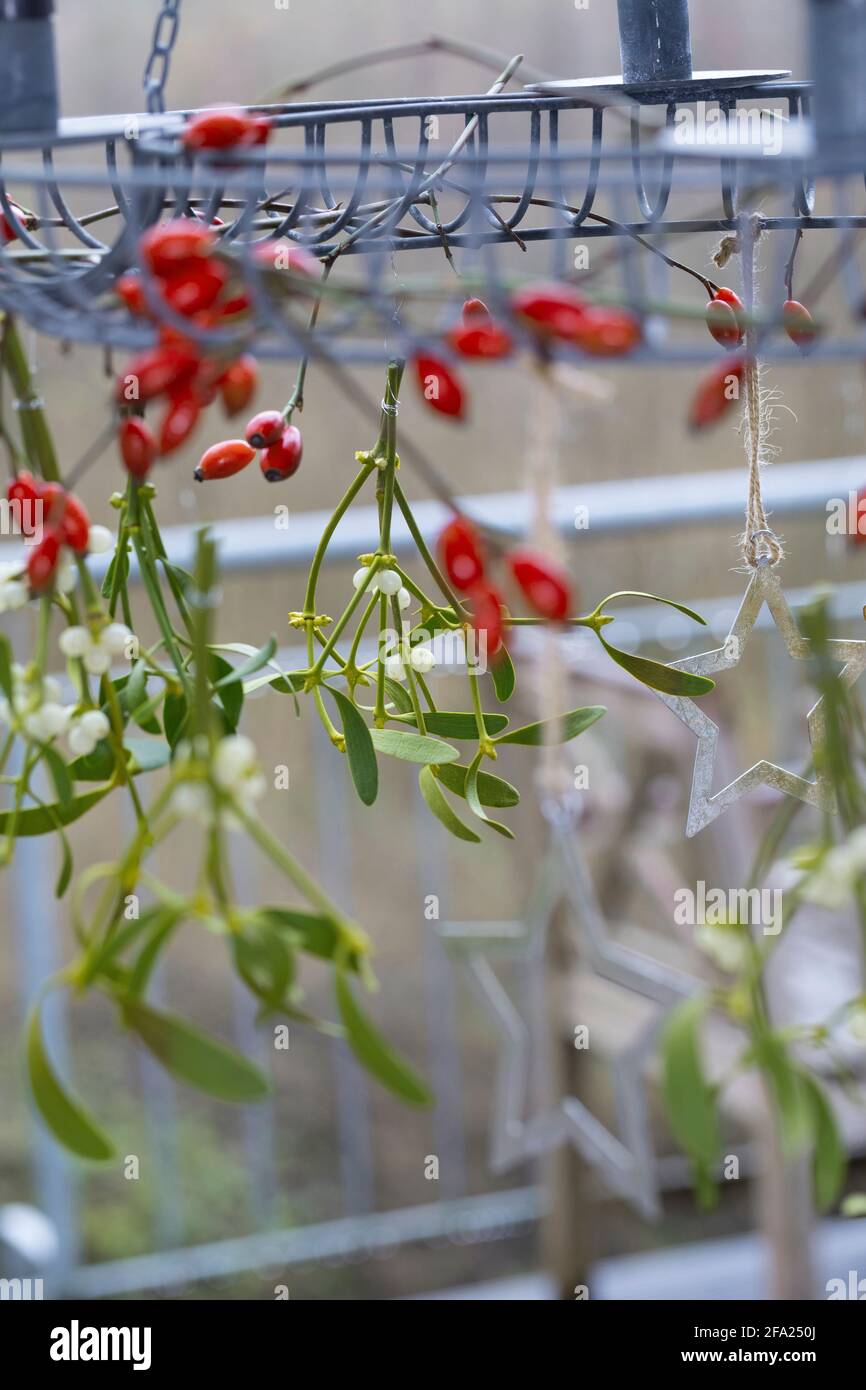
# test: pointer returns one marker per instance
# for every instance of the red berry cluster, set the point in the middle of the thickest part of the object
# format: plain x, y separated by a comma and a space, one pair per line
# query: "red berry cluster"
548, 312
193, 282
726, 320
64, 523
280, 443
545, 586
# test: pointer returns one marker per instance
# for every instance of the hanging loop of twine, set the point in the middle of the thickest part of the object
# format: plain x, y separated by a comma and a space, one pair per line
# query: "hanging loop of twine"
759, 543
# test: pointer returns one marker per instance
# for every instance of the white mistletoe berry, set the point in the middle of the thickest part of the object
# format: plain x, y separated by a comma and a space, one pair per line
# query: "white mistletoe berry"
422, 659
99, 539
404, 600
388, 582
97, 659
94, 723
394, 668
359, 578
234, 761
66, 577
74, 641
115, 638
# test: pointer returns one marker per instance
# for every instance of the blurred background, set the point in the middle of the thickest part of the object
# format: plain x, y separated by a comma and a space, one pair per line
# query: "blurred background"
326, 1189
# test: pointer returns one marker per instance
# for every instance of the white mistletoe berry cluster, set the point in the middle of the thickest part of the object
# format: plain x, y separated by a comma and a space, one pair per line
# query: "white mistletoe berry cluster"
36, 711
235, 770
97, 649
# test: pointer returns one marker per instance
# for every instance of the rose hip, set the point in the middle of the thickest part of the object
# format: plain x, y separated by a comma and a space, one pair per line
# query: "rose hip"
440, 386
282, 459
223, 460
462, 554
265, 428
545, 586
138, 448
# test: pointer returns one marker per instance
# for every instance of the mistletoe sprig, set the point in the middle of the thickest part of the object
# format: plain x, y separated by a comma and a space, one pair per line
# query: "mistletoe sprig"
170, 721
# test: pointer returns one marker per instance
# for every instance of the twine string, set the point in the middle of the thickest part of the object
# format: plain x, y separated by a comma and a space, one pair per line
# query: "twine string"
759, 544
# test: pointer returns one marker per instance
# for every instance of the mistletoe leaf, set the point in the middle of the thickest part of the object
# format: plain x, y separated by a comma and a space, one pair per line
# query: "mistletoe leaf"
39, 820
473, 800
441, 808
504, 676
460, 723
63, 1114
657, 676
194, 1056
312, 932
413, 748
399, 697
492, 791
688, 1096
829, 1159
360, 751
374, 1054
256, 659
654, 598
60, 774
561, 730
6, 683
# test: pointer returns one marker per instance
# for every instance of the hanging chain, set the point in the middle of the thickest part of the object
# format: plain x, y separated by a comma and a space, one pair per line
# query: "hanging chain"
156, 72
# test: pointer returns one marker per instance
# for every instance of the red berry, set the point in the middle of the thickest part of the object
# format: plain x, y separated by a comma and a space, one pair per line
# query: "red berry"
487, 618
165, 247
130, 289
194, 286
265, 428
42, 562
475, 309
608, 332
53, 498
281, 255
23, 488
223, 460
180, 419
75, 527
7, 231
545, 586
716, 392
137, 446
440, 386
553, 310
238, 384
282, 459
799, 324
725, 317
155, 371
223, 128
480, 339
462, 554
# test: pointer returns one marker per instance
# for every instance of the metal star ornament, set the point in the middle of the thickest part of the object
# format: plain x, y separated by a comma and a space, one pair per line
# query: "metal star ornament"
704, 804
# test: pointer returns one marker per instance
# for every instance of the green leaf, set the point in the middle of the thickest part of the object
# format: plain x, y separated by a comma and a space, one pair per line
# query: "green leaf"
441, 808
230, 695
193, 1056
160, 928
120, 559
60, 774
492, 791
473, 800
460, 724
134, 692
854, 1204
174, 716
689, 1099
254, 662
65, 874
264, 962
371, 1050
96, 766
786, 1081
504, 678
656, 675
413, 748
359, 749
147, 754
398, 696
829, 1159
312, 932
6, 684
669, 602
38, 820
63, 1114
555, 730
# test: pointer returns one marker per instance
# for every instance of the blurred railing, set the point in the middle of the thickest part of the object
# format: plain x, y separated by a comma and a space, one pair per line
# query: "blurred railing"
249, 545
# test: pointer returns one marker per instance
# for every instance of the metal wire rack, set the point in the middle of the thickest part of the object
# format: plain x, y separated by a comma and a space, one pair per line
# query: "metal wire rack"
488, 177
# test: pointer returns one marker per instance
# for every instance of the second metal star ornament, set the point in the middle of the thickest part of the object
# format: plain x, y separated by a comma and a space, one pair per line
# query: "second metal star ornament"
704, 804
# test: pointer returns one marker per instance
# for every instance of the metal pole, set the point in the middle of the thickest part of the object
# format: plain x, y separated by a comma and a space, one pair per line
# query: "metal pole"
28, 76
654, 40
837, 52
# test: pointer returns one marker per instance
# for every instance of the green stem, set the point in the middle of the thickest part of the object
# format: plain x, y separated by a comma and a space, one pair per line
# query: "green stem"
325, 539
441, 582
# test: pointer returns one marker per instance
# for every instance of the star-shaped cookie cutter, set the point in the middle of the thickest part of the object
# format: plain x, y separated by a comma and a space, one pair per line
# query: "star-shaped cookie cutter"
704, 804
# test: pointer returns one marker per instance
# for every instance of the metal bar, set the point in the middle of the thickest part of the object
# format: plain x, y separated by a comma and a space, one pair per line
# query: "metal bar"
492, 1216
654, 40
